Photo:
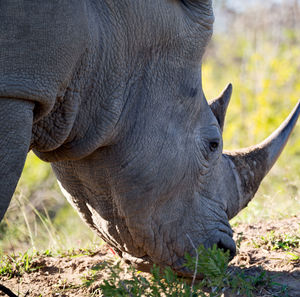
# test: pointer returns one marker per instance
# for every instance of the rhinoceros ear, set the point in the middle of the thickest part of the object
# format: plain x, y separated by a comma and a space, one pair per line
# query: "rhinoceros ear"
220, 104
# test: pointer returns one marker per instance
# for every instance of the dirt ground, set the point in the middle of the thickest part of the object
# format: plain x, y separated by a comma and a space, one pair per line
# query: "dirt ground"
64, 276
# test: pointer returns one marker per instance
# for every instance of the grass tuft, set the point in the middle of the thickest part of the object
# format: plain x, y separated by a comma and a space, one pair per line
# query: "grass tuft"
15, 266
274, 242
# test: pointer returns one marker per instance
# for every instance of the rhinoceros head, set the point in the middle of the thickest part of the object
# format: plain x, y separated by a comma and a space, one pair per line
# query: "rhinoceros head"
171, 185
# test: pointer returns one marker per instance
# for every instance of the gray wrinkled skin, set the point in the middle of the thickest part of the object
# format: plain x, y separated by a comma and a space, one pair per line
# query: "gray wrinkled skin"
120, 113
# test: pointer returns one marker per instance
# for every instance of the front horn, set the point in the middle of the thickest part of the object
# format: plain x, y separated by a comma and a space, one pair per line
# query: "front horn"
251, 165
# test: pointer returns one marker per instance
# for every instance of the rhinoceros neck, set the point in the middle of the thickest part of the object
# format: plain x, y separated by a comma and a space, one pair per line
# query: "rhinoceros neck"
84, 117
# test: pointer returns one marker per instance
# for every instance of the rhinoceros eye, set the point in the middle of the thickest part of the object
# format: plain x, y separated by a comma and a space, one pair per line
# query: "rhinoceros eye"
213, 145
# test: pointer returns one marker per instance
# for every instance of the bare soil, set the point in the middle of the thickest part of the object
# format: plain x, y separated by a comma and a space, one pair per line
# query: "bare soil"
65, 276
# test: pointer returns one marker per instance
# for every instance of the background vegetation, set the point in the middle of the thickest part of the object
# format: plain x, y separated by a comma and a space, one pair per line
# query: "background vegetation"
257, 49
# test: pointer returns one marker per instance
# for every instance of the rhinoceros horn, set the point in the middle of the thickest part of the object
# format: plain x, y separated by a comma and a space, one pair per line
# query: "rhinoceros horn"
220, 104
250, 165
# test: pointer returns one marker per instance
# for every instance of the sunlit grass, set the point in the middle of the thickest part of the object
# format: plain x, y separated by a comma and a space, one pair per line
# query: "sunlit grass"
39, 217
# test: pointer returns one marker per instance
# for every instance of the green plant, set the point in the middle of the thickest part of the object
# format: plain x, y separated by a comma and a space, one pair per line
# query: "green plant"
294, 257
247, 285
157, 285
11, 266
240, 238
273, 241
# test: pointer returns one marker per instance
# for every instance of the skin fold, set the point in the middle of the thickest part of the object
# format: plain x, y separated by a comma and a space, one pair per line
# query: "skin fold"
110, 92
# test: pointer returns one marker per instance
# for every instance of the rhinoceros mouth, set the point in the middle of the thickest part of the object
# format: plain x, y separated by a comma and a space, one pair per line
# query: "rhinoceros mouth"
222, 238
226, 243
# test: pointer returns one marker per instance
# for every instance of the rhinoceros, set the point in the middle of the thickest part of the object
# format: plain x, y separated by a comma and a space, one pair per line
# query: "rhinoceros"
110, 92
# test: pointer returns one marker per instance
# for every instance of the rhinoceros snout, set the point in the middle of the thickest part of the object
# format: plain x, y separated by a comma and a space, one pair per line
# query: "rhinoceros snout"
226, 243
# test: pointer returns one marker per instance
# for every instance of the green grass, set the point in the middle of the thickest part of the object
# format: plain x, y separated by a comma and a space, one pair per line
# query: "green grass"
12, 265
288, 243
32, 227
294, 257
17, 265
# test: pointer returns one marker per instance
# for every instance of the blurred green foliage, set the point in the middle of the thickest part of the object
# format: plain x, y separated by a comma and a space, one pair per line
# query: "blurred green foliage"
266, 80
